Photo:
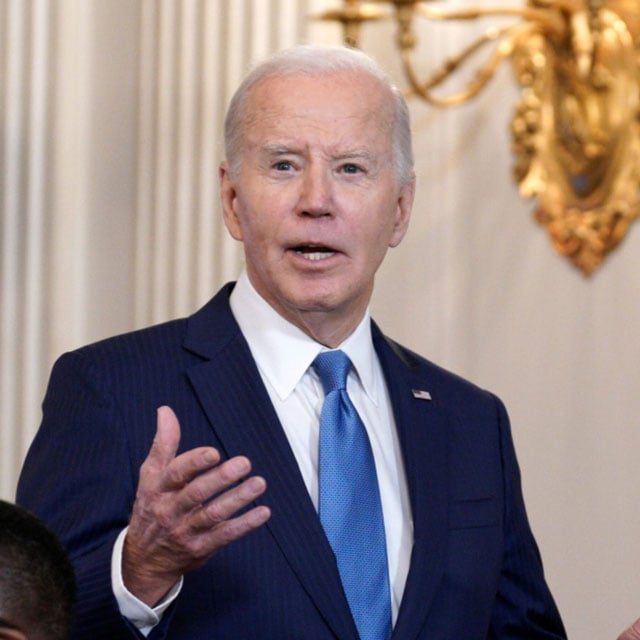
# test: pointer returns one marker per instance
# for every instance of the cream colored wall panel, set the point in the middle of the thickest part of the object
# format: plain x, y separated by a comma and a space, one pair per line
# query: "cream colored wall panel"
146, 167
55, 197
25, 200
288, 31
15, 32
112, 98
210, 152
235, 59
70, 165
262, 18
35, 210
165, 182
187, 154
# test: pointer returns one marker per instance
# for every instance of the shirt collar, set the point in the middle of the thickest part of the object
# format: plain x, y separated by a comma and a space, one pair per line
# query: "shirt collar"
283, 352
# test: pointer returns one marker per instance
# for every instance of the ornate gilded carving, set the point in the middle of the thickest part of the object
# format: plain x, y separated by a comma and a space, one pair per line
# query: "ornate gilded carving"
576, 127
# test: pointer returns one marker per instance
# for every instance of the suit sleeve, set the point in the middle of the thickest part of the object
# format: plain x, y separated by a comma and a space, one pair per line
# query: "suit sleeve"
79, 479
524, 607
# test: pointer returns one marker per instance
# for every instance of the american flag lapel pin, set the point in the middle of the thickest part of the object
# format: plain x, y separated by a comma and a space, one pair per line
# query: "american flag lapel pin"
421, 394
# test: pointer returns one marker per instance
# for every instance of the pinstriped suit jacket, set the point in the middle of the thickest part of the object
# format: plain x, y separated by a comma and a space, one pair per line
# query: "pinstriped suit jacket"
475, 569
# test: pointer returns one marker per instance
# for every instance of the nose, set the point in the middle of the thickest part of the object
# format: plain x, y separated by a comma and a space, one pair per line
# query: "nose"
315, 193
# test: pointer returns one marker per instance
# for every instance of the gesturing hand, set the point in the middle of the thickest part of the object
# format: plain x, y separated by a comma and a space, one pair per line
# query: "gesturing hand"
184, 511
632, 633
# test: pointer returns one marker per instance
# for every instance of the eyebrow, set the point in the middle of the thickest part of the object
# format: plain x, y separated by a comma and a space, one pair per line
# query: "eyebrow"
362, 154
277, 149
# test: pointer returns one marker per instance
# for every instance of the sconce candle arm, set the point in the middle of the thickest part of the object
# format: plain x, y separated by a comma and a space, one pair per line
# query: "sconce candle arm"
551, 21
483, 75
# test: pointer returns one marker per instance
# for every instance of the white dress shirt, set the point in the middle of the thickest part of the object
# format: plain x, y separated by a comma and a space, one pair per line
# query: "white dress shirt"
284, 354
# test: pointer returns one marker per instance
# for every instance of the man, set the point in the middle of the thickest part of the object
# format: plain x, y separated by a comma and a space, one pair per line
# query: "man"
416, 525
37, 587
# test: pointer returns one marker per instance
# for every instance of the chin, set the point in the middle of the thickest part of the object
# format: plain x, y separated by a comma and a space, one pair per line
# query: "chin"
312, 303
312, 298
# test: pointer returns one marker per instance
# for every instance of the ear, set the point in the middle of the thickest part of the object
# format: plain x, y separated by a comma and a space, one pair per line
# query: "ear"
229, 198
404, 207
12, 634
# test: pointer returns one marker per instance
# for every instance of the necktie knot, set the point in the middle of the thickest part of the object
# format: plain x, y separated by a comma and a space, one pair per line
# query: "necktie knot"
332, 368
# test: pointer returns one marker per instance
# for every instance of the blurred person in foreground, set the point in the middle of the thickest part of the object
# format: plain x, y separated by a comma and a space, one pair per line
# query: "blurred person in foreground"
274, 467
37, 586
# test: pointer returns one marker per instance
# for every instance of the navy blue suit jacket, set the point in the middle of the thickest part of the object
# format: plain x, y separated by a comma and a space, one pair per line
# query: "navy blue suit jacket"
475, 570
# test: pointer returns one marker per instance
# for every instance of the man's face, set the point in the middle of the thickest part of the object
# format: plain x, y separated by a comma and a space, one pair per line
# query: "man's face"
316, 200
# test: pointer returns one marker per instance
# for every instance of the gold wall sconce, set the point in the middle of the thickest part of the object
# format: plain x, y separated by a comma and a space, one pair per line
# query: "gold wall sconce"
576, 126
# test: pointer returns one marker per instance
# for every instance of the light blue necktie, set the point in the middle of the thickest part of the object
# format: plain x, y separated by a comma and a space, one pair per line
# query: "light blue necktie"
350, 508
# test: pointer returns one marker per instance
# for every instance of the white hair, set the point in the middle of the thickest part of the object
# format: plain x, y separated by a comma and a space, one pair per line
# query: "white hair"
316, 60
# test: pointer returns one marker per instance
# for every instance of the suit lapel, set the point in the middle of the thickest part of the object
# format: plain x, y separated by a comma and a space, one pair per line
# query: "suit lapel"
230, 389
422, 428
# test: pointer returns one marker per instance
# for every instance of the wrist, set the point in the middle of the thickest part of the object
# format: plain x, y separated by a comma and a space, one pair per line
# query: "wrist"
147, 583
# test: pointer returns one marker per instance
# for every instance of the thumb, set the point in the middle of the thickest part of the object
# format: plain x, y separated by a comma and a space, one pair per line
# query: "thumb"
167, 438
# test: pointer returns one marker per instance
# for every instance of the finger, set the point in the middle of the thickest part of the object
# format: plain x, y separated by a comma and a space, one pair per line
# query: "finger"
227, 504
629, 634
632, 633
213, 482
167, 438
231, 530
187, 466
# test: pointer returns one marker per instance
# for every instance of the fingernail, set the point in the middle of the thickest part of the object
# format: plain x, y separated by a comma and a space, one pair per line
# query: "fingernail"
241, 465
260, 515
256, 484
210, 457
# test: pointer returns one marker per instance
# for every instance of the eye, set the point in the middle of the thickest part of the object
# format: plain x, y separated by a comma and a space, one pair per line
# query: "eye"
351, 168
283, 165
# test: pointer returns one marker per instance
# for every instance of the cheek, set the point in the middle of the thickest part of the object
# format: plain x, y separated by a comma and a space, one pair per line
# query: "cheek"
376, 236
260, 235
248, 220
261, 215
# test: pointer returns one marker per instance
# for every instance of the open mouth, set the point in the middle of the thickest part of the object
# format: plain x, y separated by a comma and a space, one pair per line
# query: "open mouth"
314, 253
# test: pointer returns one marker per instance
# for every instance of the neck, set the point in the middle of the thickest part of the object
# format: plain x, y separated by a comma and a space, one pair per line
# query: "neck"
329, 331
328, 326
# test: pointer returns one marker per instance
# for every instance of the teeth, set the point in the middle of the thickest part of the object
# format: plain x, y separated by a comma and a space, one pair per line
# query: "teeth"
316, 255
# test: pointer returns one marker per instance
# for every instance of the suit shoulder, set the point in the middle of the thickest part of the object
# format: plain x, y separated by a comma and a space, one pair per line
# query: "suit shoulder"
165, 335
213, 323
124, 354
439, 378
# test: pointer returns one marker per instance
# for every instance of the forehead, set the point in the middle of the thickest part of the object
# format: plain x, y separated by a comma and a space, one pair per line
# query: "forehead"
332, 108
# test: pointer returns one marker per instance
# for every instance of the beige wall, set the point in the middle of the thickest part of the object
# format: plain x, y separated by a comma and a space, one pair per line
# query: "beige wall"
109, 139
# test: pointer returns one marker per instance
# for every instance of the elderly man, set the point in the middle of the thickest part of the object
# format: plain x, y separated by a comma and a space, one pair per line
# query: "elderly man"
305, 476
